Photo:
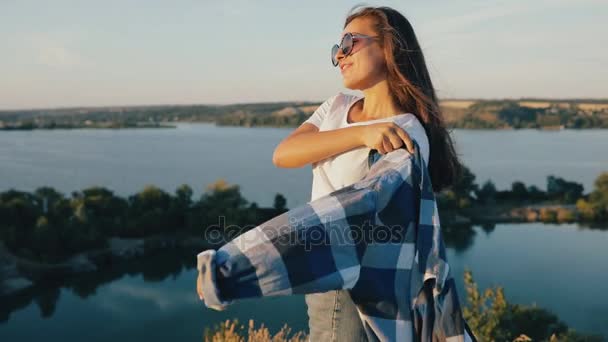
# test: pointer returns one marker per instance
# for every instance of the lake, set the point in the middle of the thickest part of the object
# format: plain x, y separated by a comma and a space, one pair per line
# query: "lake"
199, 154
558, 267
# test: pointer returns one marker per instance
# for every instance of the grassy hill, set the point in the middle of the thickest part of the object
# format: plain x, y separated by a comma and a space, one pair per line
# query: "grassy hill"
459, 113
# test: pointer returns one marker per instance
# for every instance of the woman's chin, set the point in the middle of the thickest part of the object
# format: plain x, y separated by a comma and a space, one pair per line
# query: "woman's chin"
348, 83
352, 86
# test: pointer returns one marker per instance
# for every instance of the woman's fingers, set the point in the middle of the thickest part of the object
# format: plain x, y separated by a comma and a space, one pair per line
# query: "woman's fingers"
386, 144
406, 139
391, 137
380, 148
396, 140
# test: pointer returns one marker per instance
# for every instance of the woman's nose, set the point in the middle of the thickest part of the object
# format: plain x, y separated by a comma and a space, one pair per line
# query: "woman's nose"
339, 54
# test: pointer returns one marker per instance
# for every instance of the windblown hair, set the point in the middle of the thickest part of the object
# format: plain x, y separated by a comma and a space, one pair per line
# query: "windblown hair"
411, 88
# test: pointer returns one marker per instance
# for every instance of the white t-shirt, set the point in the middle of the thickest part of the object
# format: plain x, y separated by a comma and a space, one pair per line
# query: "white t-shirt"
349, 167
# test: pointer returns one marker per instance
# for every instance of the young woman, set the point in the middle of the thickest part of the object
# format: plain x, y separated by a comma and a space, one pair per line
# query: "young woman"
379, 55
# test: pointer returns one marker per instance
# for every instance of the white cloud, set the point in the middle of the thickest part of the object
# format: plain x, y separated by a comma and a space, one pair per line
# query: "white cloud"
54, 51
58, 56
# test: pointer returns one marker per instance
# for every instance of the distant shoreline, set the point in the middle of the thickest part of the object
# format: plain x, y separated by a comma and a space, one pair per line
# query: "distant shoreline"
173, 125
466, 114
109, 125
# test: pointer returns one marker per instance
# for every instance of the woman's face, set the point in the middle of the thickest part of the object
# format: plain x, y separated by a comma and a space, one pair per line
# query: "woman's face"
365, 65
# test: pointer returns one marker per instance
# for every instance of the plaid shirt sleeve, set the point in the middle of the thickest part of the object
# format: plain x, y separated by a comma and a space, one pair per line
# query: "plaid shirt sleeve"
379, 238
436, 313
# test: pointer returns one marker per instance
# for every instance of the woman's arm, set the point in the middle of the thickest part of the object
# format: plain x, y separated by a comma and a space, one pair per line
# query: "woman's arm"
307, 144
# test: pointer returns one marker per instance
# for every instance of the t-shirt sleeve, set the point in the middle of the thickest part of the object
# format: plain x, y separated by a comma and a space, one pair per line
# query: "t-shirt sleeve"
320, 113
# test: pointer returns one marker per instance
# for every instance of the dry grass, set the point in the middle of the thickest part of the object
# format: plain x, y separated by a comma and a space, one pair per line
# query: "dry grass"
547, 104
593, 106
488, 117
534, 104
456, 103
452, 114
231, 331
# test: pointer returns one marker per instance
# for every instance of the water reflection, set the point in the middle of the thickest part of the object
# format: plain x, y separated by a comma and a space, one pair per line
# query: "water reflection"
458, 237
159, 266
153, 268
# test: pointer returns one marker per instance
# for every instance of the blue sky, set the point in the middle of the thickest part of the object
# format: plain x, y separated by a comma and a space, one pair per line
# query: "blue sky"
59, 53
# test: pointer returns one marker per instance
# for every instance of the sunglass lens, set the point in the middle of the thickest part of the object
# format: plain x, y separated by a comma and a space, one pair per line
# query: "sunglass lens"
334, 51
347, 44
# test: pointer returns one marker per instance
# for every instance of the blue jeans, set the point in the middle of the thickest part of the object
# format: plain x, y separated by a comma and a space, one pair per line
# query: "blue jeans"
333, 317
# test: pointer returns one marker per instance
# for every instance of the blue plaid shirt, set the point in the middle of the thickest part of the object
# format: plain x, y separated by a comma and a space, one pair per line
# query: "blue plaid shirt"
380, 238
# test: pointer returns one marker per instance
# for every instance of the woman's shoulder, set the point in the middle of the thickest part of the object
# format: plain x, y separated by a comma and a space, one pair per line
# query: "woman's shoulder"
337, 103
341, 99
347, 98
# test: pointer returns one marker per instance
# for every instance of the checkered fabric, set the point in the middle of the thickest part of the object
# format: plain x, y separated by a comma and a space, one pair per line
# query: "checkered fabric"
380, 238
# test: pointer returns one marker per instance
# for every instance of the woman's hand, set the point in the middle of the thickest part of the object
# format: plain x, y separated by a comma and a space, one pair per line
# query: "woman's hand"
386, 137
199, 285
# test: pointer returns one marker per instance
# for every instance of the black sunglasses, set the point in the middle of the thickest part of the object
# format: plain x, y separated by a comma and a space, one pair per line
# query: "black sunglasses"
347, 43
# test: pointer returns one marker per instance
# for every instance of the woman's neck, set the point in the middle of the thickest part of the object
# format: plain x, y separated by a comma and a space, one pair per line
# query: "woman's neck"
378, 102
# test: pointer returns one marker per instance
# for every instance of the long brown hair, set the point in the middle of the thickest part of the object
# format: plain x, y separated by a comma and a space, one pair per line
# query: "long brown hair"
412, 89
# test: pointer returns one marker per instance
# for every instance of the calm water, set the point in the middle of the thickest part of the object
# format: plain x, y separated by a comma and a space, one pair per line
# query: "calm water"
199, 154
558, 267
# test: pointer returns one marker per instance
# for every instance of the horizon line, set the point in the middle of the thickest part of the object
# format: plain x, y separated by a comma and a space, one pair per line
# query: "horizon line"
55, 108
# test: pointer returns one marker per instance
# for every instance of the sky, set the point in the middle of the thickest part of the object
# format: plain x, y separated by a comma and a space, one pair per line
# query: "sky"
61, 53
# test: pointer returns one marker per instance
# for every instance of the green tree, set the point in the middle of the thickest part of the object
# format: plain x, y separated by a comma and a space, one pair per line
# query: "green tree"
149, 212
222, 205
99, 208
517, 116
460, 194
46, 241
183, 195
180, 207
599, 196
465, 185
280, 202
483, 311
487, 193
562, 190
519, 191
18, 216
595, 208
535, 194
492, 318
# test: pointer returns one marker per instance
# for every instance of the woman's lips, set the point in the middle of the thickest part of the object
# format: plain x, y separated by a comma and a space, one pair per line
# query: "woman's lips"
345, 67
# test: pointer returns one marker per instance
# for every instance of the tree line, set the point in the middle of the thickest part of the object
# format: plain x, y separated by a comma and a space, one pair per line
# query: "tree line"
45, 225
